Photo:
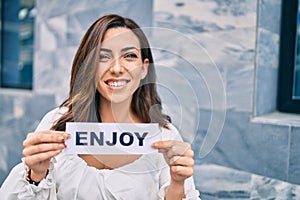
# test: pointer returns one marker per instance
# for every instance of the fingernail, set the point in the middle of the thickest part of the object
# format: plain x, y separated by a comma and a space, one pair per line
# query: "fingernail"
65, 145
68, 136
154, 144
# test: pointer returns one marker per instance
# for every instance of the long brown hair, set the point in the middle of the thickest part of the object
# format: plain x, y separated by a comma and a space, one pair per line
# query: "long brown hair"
83, 101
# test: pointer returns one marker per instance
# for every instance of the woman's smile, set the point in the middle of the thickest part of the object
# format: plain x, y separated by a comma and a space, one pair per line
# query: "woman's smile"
117, 83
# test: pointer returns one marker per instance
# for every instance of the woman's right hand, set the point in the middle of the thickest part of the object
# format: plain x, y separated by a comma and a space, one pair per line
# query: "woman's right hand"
39, 148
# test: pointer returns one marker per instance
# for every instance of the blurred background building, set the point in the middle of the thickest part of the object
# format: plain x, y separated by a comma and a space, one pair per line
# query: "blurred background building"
227, 74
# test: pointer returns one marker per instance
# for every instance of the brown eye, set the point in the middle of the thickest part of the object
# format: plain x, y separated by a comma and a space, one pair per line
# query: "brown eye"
131, 55
104, 57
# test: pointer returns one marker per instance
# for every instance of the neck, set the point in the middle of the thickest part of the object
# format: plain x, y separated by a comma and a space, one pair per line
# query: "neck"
116, 112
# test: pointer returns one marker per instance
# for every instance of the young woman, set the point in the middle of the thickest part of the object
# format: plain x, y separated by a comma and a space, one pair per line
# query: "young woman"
112, 80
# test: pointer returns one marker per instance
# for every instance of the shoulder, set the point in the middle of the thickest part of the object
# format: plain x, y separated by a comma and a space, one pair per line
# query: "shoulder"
50, 117
171, 133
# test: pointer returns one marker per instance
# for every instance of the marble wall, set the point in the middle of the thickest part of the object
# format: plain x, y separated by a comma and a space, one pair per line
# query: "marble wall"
227, 183
217, 63
241, 39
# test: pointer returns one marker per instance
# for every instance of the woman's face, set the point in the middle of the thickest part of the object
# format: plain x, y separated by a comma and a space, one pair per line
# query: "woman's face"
121, 67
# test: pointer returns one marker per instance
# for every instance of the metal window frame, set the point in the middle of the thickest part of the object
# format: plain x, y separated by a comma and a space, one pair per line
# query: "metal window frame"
288, 37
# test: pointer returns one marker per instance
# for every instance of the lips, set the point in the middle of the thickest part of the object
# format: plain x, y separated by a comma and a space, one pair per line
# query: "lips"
116, 83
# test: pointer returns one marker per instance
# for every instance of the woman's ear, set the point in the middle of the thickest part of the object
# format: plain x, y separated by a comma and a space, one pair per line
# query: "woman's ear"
145, 68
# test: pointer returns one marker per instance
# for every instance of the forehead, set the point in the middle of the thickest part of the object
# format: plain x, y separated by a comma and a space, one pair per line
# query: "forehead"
120, 37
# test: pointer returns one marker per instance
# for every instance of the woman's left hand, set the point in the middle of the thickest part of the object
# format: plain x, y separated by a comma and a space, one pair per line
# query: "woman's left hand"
179, 156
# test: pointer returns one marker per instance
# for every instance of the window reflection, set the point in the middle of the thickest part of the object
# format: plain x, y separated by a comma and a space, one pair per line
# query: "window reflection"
296, 88
17, 43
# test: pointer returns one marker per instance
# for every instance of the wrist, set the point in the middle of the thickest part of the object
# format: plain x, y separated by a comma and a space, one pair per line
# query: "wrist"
38, 176
177, 184
35, 178
175, 190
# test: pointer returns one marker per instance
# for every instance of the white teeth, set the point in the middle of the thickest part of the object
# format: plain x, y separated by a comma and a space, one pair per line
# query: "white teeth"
116, 83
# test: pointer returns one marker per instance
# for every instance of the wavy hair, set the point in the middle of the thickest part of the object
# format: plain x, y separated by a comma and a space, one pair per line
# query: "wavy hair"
83, 101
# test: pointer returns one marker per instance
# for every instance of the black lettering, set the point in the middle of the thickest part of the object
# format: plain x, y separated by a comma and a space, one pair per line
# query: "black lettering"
98, 139
114, 139
141, 138
130, 139
80, 137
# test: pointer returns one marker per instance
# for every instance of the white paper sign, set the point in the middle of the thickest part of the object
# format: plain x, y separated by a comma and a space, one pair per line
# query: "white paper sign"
111, 138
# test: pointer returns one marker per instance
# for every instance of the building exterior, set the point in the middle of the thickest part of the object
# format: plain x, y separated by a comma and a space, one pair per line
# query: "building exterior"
217, 65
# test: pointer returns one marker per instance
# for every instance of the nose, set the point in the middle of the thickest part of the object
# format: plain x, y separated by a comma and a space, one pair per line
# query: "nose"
117, 67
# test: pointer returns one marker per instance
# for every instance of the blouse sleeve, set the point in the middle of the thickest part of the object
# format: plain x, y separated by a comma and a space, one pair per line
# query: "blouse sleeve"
191, 192
16, 187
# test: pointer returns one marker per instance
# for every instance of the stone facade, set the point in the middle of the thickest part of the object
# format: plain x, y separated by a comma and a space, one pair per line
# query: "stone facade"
242, 40
217, 64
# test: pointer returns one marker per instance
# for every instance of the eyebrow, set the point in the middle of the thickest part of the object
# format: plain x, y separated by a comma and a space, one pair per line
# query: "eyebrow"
106, 50
128, 48
122, 50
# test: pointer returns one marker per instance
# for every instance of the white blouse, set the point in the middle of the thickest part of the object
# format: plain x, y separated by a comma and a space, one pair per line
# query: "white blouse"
69, 177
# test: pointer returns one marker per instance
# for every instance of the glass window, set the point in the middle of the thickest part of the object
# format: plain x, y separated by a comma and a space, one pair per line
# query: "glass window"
296, 85
17, 36
289, 69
